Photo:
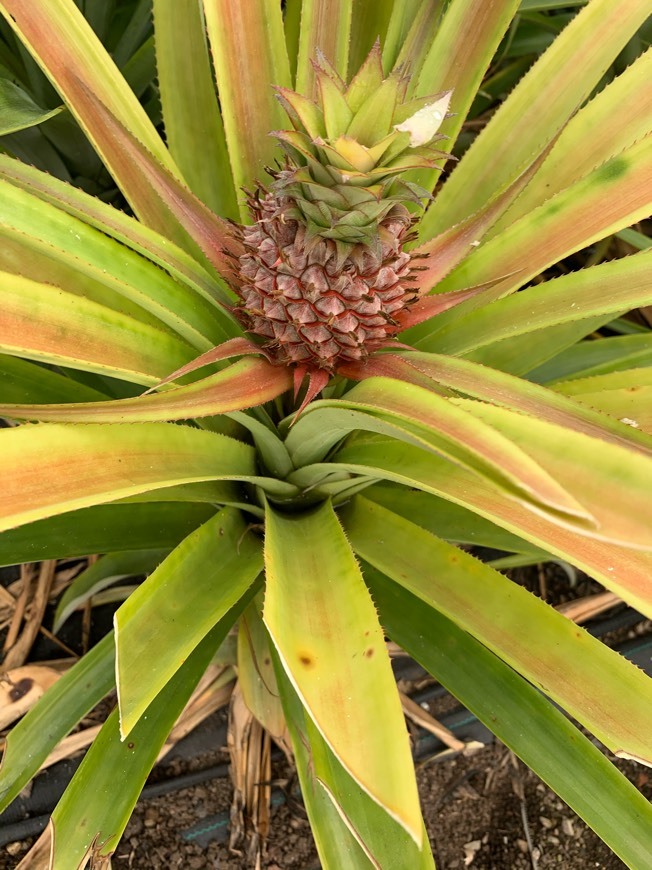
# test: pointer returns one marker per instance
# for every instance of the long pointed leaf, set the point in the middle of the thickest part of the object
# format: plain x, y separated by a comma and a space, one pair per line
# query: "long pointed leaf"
90, 464
45, 323
24, 381
64, 44
84, 822
195, 226
438, 426
545, 98
608, 289
250, 56
324, 627
602, 690
17, 109
55, 714
319, 33
244, 384
622, 570
618, 116
193, 125
165, 619
336, 845
459, 55
435, 371
615, 195
115, 272
589, 467
102, 529
113, 223
328, 788
561, 755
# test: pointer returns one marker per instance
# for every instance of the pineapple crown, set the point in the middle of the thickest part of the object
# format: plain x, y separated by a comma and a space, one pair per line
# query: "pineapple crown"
351, 147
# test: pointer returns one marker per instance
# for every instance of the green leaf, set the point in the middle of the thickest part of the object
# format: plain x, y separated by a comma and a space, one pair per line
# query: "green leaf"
369, 23
250, 56
18, 110
525, 353
409, 21
493, 609
637, 240
448, 249
24, 381
380, 836
53, 716
114, 223
611, 122
350, 829
324, 627
102, 529
326, 28
46, 323
611, 288
449, 520
545, 98
336, 845
465, 42
622, 394
102, 573
85, 822
523, 719
622, 570
592, 358
537, 5
187, 220
403, 410
608, 199
91, 464
169, 614
101, 269
193, 125
589, 468
489, 385
256, 677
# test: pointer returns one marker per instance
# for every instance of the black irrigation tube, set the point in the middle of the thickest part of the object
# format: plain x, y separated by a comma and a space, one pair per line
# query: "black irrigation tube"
460, 721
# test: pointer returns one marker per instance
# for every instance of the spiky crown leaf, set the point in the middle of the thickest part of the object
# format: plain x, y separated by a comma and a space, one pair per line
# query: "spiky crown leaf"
350, 148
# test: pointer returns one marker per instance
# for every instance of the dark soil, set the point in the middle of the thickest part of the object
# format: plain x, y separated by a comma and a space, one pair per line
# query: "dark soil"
480, 812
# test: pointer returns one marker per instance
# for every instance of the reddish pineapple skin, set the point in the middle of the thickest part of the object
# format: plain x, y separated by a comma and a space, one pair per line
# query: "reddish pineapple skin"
311, 307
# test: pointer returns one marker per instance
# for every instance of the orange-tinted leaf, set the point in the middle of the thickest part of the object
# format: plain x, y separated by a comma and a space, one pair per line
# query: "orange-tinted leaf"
42, 322
201, 227
81, 69
53, 468
244, 384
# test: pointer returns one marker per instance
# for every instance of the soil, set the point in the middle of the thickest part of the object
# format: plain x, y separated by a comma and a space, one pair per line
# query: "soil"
473, 813
486, 811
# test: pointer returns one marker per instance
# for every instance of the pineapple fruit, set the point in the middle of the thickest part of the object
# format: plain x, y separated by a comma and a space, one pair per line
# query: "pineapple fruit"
324, 277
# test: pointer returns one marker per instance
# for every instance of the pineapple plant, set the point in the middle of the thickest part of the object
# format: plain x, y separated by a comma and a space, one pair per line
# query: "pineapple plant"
304, 370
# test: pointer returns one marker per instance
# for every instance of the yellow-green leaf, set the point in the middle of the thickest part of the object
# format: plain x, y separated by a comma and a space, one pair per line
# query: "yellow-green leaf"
325, 629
